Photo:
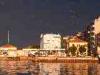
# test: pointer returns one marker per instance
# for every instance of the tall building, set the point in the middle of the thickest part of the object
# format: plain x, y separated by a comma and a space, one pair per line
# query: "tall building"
50, 41
97, 25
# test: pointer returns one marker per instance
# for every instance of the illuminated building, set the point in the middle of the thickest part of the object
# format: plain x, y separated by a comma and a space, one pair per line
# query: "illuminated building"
77, 43
50, 41
50, 44
97, 25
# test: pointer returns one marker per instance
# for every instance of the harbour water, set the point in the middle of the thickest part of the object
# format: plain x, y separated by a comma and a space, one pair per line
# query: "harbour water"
34, 68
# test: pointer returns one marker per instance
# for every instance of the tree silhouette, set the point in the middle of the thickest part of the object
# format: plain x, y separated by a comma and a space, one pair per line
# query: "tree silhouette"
82, 49
73, 49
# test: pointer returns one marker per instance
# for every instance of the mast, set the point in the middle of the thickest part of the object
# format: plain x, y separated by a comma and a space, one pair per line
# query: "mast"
8, 37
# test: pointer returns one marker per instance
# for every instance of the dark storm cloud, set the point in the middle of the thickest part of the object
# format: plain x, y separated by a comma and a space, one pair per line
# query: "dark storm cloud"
27, 19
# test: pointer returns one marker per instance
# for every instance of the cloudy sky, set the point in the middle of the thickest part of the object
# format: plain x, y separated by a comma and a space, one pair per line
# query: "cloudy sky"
27, 19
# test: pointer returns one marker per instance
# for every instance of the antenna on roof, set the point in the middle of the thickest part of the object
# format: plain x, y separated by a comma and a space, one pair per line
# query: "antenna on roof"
8, 37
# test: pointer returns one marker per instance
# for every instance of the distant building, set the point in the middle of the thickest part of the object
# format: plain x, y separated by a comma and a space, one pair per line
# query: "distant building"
8, 50
8, 47
78, 44
51, 44
50, 41
97, 25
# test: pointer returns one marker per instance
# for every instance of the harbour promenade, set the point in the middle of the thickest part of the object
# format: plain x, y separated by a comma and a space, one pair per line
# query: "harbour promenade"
53, 59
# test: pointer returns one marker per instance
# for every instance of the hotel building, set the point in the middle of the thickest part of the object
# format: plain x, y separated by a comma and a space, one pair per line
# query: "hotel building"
51, 43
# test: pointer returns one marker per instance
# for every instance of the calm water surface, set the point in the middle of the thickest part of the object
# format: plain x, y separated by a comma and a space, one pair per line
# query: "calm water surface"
31, 68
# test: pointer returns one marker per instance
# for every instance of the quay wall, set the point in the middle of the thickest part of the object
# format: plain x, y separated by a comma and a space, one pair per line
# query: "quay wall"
51, 59
64, 60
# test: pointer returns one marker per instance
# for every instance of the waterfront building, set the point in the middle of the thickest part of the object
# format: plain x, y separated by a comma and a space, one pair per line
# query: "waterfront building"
75, 46
8, 47
8, 50
97, 25
50, 41
51, 44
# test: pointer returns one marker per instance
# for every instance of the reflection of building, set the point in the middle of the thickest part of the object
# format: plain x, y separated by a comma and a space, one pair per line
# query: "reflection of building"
77, 43
49, 69
50, 41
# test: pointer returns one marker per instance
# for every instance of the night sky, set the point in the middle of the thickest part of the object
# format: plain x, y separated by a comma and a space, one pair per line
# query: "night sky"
27, 19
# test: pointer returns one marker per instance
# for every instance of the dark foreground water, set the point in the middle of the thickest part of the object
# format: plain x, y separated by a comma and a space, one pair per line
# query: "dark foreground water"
31, 68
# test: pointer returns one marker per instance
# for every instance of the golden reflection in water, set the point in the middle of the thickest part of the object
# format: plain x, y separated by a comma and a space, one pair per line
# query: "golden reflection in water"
31, 68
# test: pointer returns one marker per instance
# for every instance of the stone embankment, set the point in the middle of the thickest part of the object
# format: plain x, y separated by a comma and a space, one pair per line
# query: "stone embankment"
64, 60
53, 59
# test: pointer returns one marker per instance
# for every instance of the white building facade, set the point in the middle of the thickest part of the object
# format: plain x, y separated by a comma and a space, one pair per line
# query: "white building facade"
50, 41
50, 44
97, 25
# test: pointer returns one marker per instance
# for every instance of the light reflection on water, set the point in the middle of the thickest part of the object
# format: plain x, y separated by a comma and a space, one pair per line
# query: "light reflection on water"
31, 68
